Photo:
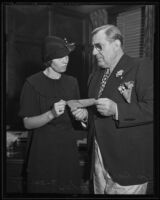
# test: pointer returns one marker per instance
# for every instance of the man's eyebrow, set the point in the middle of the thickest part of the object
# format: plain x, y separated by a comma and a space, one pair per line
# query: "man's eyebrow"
98, 45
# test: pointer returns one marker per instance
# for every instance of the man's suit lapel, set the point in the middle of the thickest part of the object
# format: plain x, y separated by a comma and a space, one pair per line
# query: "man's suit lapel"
120, 71
125, 64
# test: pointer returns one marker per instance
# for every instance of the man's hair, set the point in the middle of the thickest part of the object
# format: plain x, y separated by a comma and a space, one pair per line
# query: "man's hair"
112, 32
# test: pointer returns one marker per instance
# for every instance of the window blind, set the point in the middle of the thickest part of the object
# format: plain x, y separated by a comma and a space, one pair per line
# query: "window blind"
131, 24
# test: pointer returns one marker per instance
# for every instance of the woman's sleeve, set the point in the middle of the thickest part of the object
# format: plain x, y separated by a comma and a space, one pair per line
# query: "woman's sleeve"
29, 105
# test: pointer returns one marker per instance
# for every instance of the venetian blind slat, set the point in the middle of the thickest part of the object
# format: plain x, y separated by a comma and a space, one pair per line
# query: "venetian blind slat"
131, 28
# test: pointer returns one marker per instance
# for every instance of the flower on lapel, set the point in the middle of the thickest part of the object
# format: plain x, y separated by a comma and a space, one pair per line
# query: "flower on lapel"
126, 89
119, 73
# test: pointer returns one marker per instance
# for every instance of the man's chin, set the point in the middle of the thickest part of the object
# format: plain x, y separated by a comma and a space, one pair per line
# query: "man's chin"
101, 65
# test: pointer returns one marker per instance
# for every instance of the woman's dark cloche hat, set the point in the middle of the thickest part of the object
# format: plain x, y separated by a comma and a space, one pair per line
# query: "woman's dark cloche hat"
55, 47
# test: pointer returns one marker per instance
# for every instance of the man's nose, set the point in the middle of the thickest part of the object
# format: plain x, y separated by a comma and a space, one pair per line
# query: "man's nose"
95, 51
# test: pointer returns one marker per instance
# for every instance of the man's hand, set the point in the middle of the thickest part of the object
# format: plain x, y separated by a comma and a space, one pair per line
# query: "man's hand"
80, 114
106, 107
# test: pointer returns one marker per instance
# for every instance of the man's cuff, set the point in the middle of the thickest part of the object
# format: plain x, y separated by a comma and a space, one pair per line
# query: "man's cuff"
116, 115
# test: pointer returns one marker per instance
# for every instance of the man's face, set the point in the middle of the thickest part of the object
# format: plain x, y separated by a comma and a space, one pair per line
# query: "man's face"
103, 50
60, 64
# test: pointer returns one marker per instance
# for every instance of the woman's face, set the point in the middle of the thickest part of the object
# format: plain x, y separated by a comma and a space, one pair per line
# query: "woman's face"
60, 64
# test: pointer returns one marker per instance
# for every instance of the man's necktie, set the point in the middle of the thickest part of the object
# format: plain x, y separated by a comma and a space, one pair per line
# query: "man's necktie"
104, 81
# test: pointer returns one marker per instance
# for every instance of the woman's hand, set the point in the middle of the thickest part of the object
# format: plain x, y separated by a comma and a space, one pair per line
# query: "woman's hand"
58, 108
80, 114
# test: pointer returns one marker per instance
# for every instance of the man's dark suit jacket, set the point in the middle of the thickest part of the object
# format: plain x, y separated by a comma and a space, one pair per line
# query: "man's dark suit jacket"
126, 144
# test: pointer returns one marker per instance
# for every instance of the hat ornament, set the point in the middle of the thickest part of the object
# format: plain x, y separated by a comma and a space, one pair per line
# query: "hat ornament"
70, 46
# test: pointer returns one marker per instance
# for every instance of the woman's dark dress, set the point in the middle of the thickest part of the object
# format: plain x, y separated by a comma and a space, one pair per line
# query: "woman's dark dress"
53, 165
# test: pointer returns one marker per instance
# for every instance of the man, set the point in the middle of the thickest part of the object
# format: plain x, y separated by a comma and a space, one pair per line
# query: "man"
121, 122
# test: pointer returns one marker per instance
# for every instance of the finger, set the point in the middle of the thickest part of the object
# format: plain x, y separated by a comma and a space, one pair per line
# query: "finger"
61, 108
102, 100
78, 111
61, 111
58, 105
99, 102
100, 110
75, 111
63, 102
79, 115
100, 106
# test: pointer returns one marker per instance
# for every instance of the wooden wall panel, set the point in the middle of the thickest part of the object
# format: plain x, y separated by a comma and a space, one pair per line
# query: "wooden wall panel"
25, 31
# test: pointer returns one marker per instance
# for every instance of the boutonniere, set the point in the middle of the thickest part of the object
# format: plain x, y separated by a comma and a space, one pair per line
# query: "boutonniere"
119, 73
126, 89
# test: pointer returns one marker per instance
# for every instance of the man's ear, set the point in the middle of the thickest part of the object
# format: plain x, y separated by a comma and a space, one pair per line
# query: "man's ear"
117, 44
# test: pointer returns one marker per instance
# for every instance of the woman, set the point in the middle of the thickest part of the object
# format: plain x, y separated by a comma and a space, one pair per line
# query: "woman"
53, 165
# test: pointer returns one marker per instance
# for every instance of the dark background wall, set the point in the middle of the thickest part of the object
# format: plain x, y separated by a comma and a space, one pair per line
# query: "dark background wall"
25, 29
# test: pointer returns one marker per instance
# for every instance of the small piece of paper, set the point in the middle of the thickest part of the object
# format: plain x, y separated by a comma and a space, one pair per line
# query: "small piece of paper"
81, 103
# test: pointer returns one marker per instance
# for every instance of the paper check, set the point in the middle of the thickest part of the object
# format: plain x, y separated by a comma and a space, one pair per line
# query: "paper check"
81, 103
